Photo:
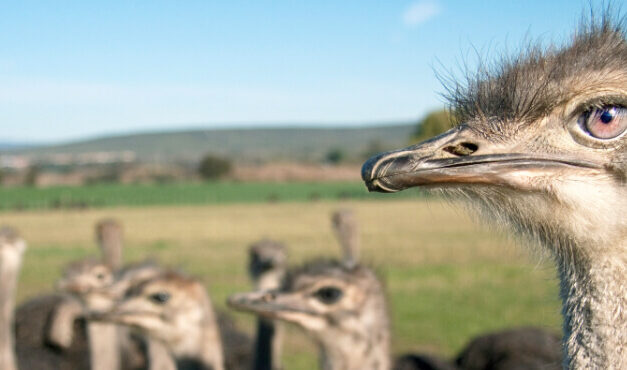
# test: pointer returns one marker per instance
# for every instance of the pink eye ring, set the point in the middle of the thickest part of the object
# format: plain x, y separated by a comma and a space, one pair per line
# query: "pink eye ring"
605, 123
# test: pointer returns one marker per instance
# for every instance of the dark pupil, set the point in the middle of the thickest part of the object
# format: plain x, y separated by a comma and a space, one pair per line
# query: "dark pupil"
100, 276
160, 297
329, 295
607, 116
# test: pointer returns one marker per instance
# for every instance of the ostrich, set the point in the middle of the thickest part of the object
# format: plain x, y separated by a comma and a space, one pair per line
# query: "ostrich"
21, 333
98, 288
343, 308
109, 237
236, 344
86, 280
158, 357
520, 349
177, 311
89, 281
11, 250
266, 267
542, 149
341, 304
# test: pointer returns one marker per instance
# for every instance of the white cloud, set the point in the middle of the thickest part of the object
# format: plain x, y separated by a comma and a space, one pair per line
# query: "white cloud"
420, 12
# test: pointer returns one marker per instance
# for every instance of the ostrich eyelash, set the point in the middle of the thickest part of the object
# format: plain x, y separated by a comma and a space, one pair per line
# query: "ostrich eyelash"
600, 103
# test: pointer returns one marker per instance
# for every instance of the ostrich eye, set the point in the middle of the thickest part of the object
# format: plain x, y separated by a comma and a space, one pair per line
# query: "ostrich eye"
328, 295
159, 297
605, 123
100, 276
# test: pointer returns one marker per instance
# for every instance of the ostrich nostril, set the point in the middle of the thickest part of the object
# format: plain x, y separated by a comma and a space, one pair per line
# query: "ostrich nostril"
462, 149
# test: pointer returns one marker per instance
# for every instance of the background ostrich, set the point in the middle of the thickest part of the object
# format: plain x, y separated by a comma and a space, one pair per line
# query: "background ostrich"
92, 282
512, 349
156, 356
109, 237
341, 304
342, 308
11, 250
176, 310
31, 319
89, 281
542, 150
266, 267
86, 279
347, 232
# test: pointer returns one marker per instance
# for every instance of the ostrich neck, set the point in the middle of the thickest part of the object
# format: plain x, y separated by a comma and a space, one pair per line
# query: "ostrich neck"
9, 269
364, 350
61, 322
595, 311
112, 252
268, 345
269, 338
104, 352
159, 357
202, 346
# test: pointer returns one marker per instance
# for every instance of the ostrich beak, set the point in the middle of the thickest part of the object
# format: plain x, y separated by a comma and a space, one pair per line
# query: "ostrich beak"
459, 157
270, 304
263, 303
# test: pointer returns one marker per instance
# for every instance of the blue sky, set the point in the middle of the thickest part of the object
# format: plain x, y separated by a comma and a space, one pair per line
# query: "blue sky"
76, 69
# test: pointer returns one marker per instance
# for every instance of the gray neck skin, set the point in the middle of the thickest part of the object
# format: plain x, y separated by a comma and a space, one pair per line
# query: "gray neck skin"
358, 351
595, 311
9, 271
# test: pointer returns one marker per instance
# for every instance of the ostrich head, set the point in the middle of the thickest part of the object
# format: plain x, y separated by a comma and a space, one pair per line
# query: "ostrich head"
86, 280
267, 262
542, 148
85, 276
169, 307
12, 247
342, 307
132, 275
541, 145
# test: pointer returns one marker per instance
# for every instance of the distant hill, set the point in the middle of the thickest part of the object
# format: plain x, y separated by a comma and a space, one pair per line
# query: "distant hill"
8, 145
253, 144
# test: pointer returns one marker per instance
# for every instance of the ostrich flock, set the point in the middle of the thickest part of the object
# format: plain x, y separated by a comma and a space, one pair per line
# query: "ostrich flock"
540, 150
144, 315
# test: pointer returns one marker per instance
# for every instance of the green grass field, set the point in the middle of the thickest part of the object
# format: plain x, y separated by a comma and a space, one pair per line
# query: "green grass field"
108, 195
448, 279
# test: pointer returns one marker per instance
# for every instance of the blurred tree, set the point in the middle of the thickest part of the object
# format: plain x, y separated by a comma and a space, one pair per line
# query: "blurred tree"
335, 156
212, 167
433, 124
33, 172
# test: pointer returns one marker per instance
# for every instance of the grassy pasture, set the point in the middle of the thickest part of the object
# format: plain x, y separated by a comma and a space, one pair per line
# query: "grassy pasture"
138, 195
448, 278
